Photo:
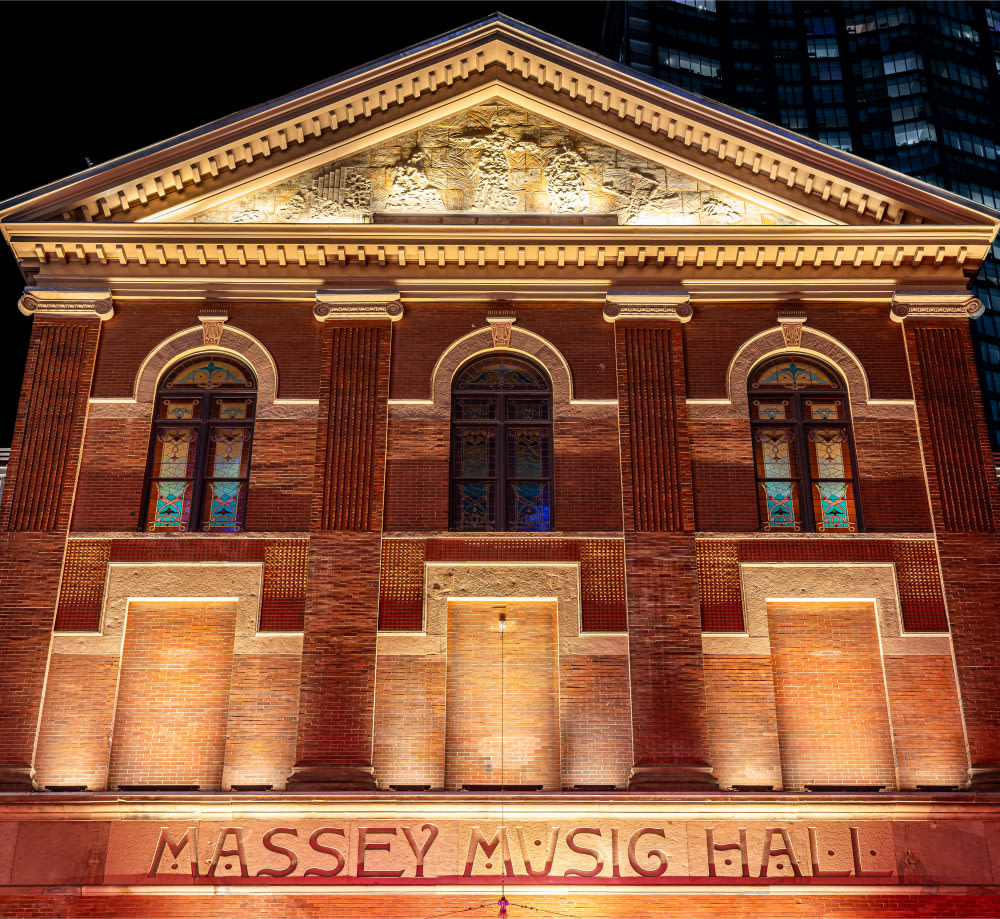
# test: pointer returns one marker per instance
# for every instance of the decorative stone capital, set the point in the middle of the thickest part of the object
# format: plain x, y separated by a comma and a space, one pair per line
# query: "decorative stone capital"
355, 305
212, 324
791, 328
67, 301
500, 321
648, 305
914, 304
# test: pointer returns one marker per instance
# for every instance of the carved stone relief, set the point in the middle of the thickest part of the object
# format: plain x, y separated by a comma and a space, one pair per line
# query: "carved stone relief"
494, 159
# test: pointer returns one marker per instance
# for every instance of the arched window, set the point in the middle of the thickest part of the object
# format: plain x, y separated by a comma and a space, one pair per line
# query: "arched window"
802, 444
199, 454
501, 446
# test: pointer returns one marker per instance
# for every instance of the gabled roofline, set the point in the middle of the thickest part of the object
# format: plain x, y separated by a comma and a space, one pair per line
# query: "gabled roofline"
634, 96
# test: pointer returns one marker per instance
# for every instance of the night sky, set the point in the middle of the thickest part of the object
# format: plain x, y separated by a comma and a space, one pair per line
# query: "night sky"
99, 80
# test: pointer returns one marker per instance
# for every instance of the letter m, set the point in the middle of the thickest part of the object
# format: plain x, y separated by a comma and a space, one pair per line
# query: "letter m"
189, 839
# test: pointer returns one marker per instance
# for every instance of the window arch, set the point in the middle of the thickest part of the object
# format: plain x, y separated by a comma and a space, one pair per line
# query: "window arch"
803, 449
199, 454
501, 446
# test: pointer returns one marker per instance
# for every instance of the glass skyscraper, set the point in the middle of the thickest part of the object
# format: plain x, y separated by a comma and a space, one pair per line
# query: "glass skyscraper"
914, 86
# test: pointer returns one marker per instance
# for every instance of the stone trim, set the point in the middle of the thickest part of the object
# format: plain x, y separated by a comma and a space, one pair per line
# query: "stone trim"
771, 343
444, 581
190, 341
160, 582
357, 305
875, 582
914, 304
649, 305
67, 302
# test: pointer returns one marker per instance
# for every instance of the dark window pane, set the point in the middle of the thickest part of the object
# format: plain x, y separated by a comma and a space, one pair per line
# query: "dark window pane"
475, 505
528, 506
474, 453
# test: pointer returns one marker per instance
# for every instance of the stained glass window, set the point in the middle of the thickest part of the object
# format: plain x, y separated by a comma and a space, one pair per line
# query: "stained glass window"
802, 447
199, 458
501, 446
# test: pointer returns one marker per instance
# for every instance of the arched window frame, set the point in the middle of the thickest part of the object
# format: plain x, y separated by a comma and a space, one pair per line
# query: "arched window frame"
804, 458
205, 414
521, 498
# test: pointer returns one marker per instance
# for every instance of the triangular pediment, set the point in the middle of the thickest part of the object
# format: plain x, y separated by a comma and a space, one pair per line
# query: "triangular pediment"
493, 159
493, 119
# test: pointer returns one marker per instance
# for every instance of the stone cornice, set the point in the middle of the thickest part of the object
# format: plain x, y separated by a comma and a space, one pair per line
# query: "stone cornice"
648, 305
66, 301
914, 304
357, 305
188, 250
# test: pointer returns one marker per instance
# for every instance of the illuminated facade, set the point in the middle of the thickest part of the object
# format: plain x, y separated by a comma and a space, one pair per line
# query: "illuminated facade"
491, 465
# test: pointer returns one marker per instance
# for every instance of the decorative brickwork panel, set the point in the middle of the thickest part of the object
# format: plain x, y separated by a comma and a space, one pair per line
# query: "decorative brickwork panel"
82, 592
833, 722
173, 695
49, 429
351, 444
949, 401
282, 605
719, 586
402, 585
285, 573
653, 420
602, 574
917, 576
602, 586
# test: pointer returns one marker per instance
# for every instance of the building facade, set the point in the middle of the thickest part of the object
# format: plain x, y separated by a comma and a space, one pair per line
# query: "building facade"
908, 85
490, 480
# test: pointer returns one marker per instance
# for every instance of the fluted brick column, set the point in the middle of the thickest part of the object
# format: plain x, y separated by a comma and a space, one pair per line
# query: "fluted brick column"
669, 729
963, 496
341, 622
37, 505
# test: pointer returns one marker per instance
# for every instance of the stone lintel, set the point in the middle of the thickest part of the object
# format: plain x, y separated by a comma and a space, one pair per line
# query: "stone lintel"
67, 301
932, 304
355, 305
664, 305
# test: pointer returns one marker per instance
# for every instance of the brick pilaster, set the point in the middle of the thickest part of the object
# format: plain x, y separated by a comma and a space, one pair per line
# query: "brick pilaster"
34, 521
963, 496
669, 729
341, 621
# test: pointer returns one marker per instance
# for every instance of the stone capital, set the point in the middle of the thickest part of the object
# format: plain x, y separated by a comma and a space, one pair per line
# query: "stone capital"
932, 304
357, 305
662, 305
67, 301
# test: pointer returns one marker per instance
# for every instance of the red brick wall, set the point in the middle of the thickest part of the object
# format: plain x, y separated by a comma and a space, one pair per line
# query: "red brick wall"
410, 720
718, 330
926, 721
595, 720
742, 723
655, 455
338, 651
287, 330
74, 737
829, 690
577, 330
263, 711
529, 743
112, 472
416, 474
173, 694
